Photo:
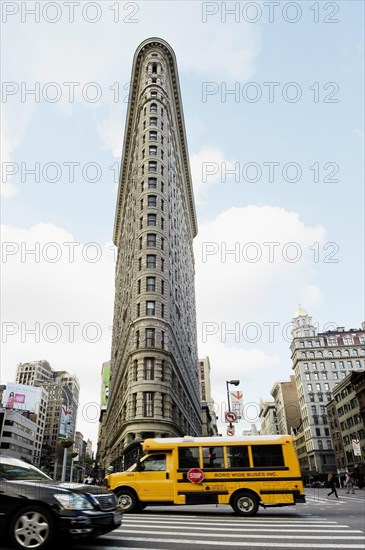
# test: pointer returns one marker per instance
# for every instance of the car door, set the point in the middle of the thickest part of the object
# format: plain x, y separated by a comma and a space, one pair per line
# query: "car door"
154, 480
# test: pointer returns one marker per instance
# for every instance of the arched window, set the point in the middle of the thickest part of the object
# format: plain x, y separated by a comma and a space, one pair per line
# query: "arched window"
153, 108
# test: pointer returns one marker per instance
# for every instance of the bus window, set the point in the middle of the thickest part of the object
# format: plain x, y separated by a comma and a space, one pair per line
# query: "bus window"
188, 457
154, 463
237, 457
267, 456
213, 457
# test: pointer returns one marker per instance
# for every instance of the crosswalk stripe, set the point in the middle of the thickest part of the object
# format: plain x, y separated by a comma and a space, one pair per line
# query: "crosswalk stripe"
243, 524
246, 530
251, 536
241, 544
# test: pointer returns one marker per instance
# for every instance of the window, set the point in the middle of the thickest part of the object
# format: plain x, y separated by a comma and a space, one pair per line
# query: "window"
267, 456
149, 368
150, 284
139, 286
138, 310
152, 183
134, 404
150, 308
335, 376
150, 337
349, 364
188, 457
326, 386
153, 135
341, 364
324, 376
137, 338
151, 239
333, 364
307, 376
237, 457
162, 310
162, 339
162, 286
309, 386
213, 457
153, 108
162, 243
152, 150
318, 387
162, 264
153, 121
162, 223
358, 364
154, 463
148, 403
151, 219
152, 200
151, 260
152, 166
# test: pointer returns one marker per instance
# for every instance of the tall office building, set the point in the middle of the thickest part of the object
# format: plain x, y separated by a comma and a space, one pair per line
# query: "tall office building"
62, 391
320, 362
154, 384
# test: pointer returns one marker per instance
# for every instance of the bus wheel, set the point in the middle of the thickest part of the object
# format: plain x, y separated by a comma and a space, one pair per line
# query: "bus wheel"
245, 504
127, 500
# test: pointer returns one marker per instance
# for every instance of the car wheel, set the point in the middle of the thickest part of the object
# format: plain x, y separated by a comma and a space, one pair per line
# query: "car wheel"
245, 504
31, 527
127, 500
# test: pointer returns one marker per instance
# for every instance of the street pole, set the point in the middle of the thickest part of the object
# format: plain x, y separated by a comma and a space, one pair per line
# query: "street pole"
229, 402
64, 465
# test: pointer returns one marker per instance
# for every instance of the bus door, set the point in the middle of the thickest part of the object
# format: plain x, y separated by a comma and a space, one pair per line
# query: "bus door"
154, 478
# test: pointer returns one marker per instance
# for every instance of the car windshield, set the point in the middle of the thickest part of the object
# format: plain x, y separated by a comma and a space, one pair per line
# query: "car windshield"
21, 472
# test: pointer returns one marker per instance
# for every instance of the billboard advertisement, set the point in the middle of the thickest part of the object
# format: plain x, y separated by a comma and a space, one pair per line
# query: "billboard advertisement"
65, 422
105, 377
21, 397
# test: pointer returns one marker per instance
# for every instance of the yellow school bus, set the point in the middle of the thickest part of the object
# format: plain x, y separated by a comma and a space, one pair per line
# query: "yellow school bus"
245, 472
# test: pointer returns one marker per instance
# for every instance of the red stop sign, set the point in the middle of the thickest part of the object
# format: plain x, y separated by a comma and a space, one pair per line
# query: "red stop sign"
195, 475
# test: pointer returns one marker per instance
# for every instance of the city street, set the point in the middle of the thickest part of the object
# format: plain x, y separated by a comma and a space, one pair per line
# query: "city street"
320, 523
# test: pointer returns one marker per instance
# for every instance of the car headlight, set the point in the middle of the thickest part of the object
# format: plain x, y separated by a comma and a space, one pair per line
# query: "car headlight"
73, 501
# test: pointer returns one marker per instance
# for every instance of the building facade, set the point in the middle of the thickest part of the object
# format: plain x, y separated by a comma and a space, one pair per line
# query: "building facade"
320, 361
268, 418
347, 425
286, 405
154, 384
62, 391
209, 414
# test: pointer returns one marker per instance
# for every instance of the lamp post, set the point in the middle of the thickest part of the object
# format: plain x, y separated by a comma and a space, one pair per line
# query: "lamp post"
234, 383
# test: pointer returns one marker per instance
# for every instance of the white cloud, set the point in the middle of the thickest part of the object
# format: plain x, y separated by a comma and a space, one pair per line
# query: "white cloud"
251, 261
207, 166
67, 305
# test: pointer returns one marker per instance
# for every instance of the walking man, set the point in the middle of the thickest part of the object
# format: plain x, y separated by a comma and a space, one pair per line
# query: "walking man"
331, 485
349, 483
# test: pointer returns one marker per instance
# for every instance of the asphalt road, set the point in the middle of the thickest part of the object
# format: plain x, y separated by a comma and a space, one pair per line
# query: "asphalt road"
321, 523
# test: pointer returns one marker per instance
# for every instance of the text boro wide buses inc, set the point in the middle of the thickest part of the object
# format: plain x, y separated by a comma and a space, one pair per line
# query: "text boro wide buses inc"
244, 472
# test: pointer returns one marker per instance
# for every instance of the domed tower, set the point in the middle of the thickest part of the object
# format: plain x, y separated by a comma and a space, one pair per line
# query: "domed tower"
302, 324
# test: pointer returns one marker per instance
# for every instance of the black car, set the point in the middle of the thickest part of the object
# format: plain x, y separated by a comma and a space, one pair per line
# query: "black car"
34, 509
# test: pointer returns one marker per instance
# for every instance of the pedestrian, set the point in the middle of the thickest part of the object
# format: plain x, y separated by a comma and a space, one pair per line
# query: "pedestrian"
331, 485
349, 483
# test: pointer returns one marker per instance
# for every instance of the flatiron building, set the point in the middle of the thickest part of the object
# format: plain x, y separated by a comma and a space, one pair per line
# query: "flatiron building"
154, 384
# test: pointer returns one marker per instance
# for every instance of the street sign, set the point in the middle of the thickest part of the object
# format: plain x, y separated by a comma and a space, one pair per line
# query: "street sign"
230, 431
231, 416
195, 475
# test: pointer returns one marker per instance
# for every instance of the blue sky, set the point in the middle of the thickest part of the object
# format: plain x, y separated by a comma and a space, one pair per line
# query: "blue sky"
323, 61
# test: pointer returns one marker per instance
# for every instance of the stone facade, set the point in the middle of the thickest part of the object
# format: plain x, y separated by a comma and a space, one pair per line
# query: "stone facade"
154, 385
320, 361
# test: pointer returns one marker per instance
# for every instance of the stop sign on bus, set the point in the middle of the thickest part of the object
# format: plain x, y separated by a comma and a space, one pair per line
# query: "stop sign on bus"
195, 475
